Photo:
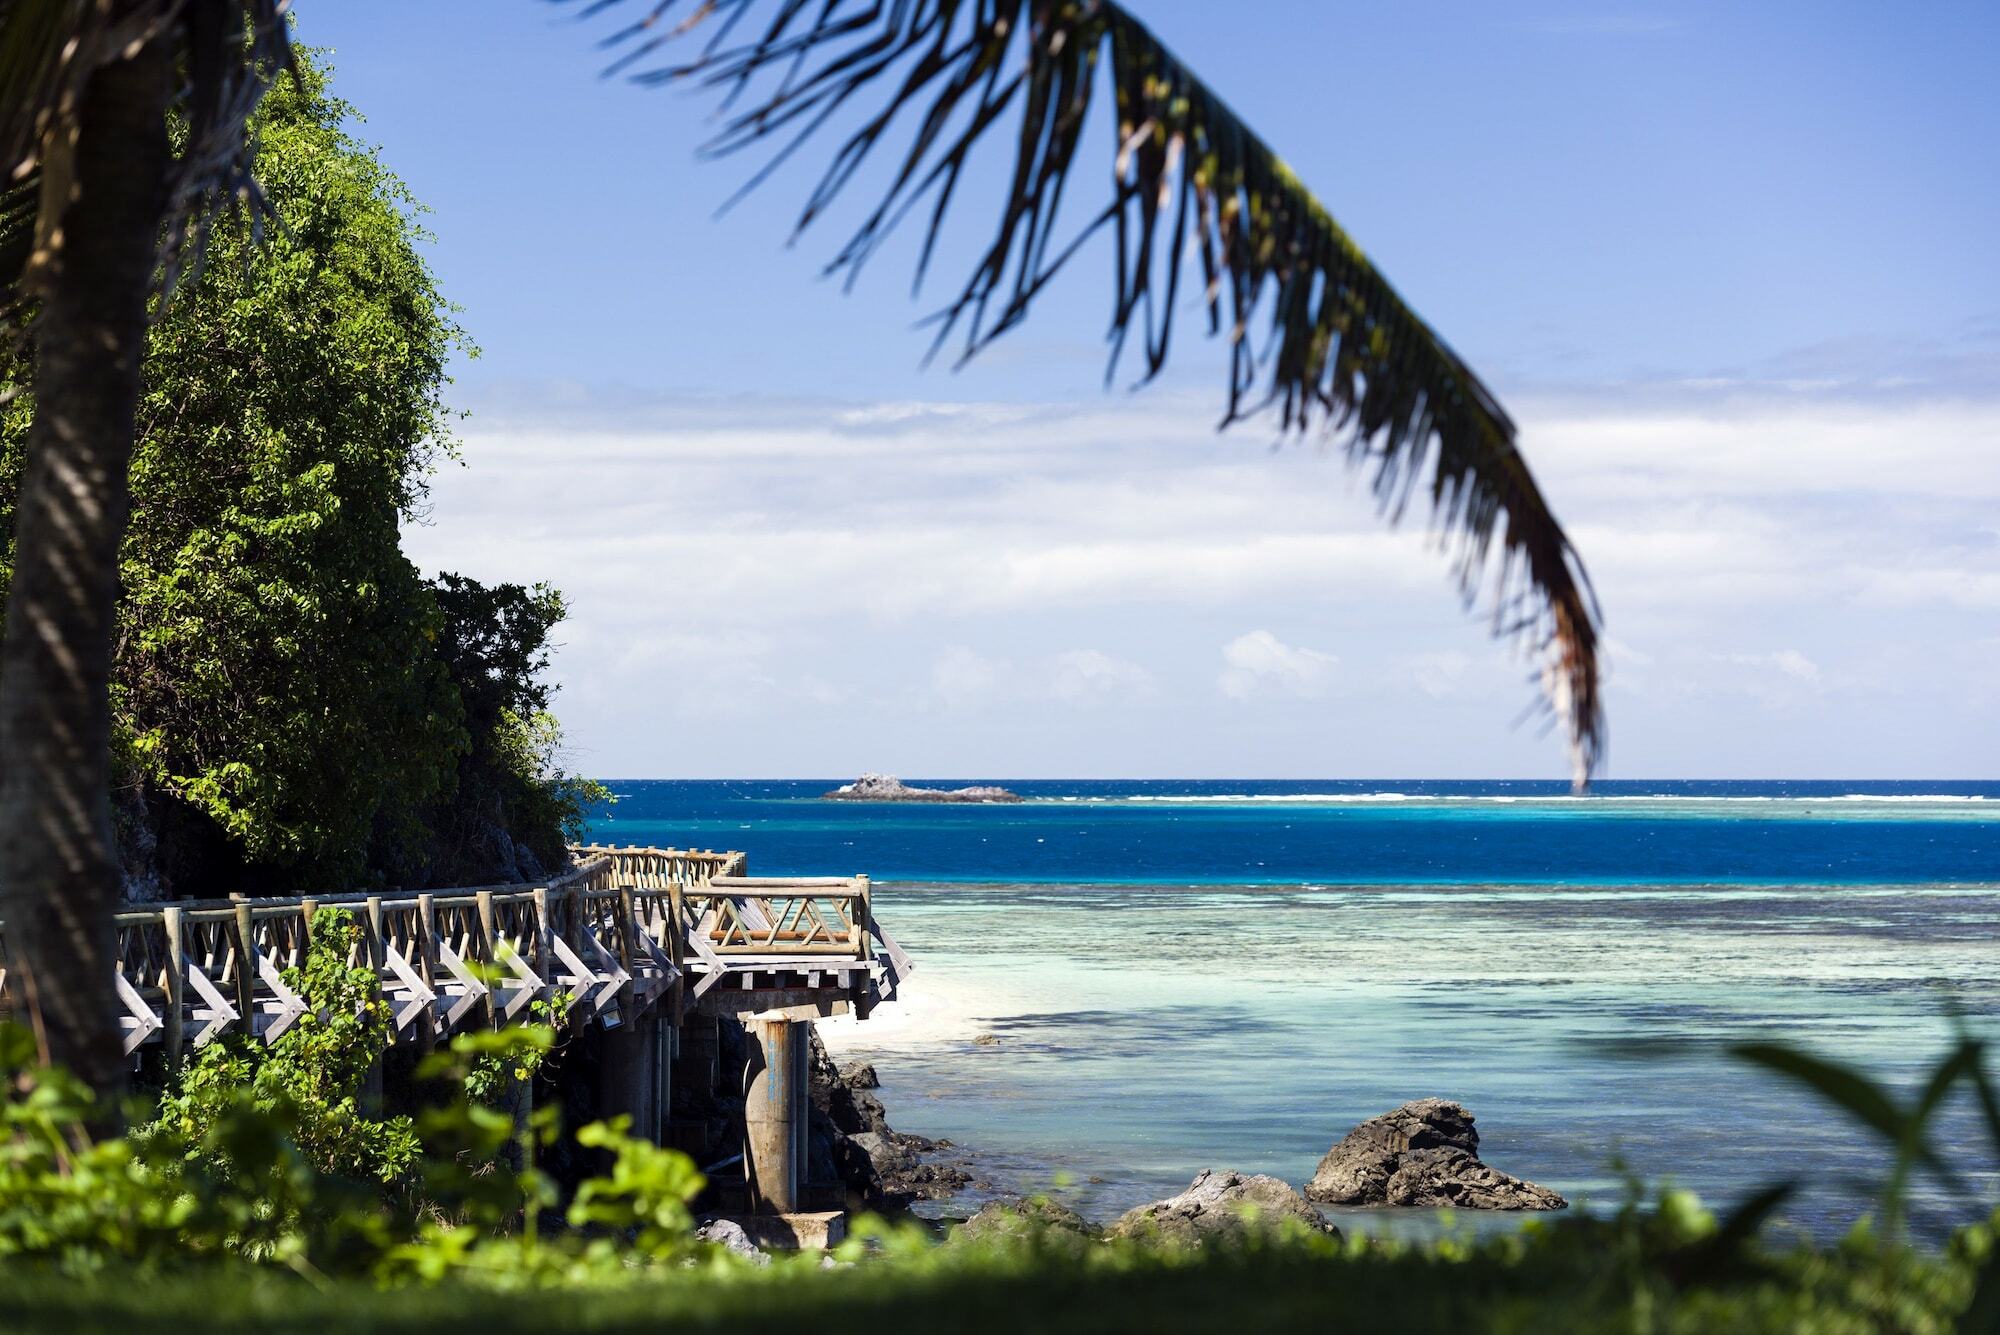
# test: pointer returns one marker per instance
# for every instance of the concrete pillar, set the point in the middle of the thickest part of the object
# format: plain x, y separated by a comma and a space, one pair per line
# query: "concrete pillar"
627, 1080
774, 1115
664, 1046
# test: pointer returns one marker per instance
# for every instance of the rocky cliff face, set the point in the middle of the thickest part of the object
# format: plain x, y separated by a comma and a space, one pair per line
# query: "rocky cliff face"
1423, 1153
889, 788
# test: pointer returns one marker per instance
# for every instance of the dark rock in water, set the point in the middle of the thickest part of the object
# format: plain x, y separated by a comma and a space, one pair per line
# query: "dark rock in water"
889, 1155
985, 1040
889, 788
1037, 1216
848, 1103
1221, 1205
850, 1141
1423, 1153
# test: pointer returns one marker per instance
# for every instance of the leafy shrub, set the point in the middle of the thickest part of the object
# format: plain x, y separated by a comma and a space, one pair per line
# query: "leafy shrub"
312, 1078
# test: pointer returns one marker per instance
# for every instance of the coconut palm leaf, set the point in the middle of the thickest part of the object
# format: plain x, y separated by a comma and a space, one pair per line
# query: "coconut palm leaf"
1193, 188
229, 51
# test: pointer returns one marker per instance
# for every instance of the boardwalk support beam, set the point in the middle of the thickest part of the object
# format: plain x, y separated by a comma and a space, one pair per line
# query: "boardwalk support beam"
774, 1115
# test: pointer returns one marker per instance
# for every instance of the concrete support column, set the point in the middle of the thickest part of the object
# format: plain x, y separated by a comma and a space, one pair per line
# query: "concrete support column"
665, 1044
774, 1115
627, 1078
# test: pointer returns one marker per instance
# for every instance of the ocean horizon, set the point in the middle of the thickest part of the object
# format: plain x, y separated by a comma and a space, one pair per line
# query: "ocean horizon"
1122, 982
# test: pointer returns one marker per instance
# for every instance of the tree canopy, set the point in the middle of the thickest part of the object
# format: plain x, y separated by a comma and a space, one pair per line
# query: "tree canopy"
294, 704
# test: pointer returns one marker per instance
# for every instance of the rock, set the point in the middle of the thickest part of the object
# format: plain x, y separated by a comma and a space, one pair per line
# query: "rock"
1037, 1216
1221, 1205
730, 1237
845, 1101
886, 1151
1456, 1179
889, 788
985, 1040
1424, 1153
850, 1138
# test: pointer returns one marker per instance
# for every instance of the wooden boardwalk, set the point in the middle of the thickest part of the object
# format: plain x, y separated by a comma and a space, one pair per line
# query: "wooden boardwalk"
623, 933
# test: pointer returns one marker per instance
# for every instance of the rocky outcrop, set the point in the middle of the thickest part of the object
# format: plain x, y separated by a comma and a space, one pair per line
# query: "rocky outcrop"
1037, 1217
889, 788
1423, 1153
852, 1142
1220, 1205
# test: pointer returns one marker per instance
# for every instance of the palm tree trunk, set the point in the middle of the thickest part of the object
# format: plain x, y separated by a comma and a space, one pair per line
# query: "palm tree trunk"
104, 192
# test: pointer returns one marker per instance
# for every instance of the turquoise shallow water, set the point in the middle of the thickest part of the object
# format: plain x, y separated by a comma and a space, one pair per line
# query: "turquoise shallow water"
1280, 961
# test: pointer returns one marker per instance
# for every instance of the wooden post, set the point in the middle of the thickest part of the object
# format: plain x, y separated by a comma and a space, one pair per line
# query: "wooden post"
427, 963
489, 944
774, 1115
246, 966
628, 948
307, 907
545, 949
864, 914
378, 949
174, 1039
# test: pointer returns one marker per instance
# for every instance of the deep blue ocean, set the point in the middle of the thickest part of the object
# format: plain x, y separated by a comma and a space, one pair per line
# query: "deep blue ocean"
1354, 832
1174, 975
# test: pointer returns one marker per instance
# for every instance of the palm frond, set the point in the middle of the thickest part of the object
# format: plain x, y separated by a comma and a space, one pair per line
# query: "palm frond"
1192, 186
230, 51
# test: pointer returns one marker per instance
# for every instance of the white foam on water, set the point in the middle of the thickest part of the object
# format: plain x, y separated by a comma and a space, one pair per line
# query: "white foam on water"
1565, 799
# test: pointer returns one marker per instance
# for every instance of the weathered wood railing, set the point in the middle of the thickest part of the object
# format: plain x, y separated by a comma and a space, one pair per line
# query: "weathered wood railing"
620, 932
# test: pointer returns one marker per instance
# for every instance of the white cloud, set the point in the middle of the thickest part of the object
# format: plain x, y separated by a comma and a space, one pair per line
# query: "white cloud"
830, 564
962, 679
1090, 675
1260, 663
1440, 674
1789, 662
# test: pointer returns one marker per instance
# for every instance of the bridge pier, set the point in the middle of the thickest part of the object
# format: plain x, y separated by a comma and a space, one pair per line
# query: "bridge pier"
775, 1112
630, 1074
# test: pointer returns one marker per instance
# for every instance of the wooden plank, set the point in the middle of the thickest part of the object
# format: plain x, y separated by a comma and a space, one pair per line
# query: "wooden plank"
416, 998
138, 1023
216, 1014
174, 984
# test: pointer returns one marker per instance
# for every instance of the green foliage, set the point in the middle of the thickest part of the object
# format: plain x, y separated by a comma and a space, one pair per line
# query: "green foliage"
242, 1191
276, 673
1904, 1127
494, 643
296, 707
311, 1080
646, 1194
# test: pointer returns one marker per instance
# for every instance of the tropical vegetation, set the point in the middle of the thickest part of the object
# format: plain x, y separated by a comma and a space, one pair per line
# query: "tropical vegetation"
294, 705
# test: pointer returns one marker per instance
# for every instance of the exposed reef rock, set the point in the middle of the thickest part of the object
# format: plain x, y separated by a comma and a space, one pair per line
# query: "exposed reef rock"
889, 788
1423, 1153
1221, 1205
1037, 1217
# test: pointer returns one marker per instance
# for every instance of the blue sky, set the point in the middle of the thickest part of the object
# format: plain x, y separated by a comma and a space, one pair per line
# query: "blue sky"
1730, 266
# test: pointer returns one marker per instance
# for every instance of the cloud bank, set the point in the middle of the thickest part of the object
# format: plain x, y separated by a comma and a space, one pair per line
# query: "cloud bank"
1797, 580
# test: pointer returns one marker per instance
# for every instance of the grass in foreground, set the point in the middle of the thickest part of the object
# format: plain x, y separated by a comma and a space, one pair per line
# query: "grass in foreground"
1666, 1269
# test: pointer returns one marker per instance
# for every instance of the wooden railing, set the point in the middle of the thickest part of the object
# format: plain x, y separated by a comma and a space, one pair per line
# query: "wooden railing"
609, 938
